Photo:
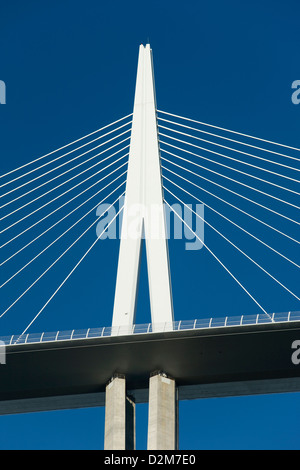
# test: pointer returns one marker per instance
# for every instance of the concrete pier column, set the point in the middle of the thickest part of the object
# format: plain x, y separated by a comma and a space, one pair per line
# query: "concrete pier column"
119, 416
163, 413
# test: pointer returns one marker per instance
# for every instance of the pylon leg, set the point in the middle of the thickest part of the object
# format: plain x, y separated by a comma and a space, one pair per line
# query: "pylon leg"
163, 413
119, 417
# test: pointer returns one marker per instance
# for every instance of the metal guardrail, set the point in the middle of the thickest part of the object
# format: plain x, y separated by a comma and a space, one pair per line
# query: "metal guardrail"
213, 322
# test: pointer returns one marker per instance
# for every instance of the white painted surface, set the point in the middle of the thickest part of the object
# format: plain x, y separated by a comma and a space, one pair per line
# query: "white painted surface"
143, 211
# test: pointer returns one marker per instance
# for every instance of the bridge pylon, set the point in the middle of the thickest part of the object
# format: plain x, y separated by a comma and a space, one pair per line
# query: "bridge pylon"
143, 218
143, 214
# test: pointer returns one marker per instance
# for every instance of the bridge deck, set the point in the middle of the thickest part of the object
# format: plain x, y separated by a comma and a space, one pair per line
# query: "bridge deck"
203, 323
205, 362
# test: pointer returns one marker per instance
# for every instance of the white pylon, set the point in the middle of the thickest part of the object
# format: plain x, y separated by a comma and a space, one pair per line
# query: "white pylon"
143, 214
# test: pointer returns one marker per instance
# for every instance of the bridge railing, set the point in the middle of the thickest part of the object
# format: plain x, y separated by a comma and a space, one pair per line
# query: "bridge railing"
179, 325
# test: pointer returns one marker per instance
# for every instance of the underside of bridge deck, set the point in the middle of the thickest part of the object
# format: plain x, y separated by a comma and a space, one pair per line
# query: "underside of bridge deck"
204, 363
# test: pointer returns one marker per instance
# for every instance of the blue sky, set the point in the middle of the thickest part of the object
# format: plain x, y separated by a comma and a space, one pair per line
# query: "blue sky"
70, 68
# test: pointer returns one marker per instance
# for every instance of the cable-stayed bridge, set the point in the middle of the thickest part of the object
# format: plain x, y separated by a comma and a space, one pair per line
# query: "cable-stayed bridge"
150, 158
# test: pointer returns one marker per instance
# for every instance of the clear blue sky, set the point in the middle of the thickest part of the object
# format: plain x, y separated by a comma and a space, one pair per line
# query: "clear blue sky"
70, 68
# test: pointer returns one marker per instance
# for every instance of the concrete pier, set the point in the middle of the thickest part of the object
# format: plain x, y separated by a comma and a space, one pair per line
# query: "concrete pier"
119, 416
163, 413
